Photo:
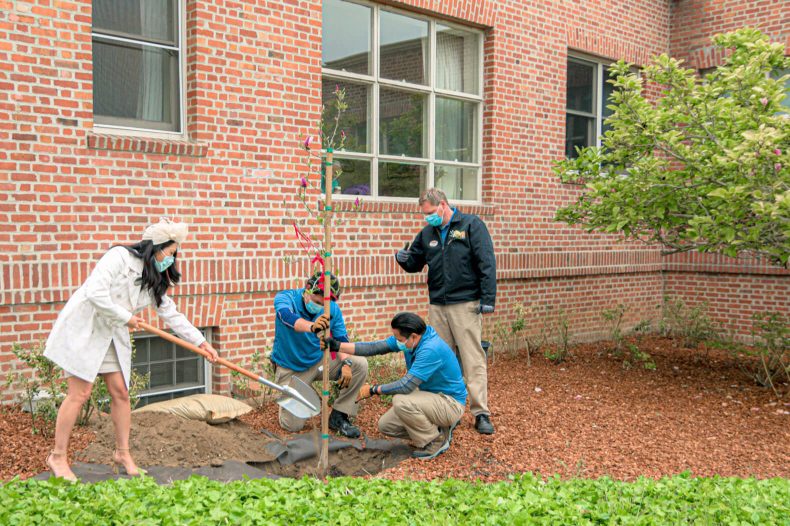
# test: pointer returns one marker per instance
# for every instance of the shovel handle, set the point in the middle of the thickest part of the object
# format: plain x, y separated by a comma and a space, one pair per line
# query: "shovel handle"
197, 350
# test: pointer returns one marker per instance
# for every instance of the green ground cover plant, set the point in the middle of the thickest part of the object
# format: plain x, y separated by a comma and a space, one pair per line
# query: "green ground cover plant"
526, 499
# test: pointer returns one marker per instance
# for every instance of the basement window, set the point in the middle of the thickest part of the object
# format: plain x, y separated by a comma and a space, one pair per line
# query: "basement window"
175, 371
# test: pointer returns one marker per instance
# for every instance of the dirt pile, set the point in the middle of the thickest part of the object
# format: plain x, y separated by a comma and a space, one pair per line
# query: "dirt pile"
168, 440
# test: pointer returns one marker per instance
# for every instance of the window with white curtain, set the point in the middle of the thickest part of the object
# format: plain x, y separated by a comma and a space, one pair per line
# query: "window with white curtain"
413, 90
587, 93
137, 55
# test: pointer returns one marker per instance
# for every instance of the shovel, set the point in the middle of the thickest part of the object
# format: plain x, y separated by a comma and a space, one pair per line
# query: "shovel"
299, 399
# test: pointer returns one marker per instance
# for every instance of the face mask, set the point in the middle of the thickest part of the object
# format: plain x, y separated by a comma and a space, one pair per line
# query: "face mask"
313, 308
434, 219
402, 346
163, 265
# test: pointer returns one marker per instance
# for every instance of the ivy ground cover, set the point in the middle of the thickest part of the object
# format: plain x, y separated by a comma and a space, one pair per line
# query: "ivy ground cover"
527, 499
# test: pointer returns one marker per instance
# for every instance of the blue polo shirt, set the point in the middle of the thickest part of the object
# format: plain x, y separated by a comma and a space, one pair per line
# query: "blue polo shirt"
433, 362
299, 351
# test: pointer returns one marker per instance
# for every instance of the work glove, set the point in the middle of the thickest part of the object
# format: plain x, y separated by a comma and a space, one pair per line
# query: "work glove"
364, 392
320, 324
334, 345
403, 255
345, 376
485, 309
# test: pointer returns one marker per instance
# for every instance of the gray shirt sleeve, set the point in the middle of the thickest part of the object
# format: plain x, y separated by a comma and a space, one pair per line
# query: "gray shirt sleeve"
371, 348
405, 385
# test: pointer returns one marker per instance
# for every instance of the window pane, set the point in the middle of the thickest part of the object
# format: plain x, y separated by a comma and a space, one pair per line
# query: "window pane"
160, 349
401, 180
140, 351
457, 182
580, 86
777, 74
403, 49
353, 121
189, 371
402, 123
456, 130
607, 90
161, 375
154, 20
137, 82
457, 56
346, 36
354, 178
579, 131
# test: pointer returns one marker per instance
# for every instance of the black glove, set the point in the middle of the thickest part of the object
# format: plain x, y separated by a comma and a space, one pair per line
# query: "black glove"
334, 345
485, 309
403, 255
320, 324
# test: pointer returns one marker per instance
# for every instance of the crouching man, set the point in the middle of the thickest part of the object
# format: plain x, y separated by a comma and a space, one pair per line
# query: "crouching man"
297, 351
430, 399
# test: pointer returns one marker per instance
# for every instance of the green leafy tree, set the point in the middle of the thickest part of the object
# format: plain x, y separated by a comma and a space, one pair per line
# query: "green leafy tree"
702, 166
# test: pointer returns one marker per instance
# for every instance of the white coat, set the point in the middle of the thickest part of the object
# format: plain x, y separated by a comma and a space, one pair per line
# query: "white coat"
97, 314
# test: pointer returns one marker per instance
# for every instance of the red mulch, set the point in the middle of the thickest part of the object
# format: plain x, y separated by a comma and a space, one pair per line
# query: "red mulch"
586, 417
24, 453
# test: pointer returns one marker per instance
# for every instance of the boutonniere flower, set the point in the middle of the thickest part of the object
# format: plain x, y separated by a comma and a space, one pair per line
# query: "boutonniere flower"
458, 234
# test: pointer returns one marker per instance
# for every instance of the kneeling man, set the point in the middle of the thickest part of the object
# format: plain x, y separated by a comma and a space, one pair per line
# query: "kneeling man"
297, 351
430, 399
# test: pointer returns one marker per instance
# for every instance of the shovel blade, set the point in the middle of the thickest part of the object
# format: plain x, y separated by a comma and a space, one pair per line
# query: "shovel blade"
300, 399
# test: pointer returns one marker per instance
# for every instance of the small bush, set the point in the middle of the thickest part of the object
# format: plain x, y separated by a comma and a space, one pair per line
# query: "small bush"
560, 329
42, 389
691, 325
260, 363
767, 361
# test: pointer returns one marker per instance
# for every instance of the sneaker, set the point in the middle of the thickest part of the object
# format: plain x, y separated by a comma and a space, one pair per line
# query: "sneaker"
448, 431
438, 446
338, 421
483, 425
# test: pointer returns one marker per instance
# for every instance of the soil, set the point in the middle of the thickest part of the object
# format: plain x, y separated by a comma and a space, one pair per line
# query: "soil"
347, 462
586, 417
167, 440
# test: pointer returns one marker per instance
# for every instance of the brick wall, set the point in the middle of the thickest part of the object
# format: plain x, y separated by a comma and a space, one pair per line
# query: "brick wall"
253, 88
695, 21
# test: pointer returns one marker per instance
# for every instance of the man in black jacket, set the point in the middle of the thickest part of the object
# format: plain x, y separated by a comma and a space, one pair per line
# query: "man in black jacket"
462, 286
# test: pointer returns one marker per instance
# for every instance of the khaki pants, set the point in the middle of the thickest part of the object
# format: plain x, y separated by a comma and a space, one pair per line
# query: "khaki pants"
346, 399
418, 415
460, 325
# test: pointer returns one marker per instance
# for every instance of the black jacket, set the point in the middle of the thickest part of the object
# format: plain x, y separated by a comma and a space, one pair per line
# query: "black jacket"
464, 269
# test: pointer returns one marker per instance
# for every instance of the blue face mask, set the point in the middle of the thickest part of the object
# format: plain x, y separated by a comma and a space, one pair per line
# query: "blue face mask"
163, 265
434, 219
313, 308
402, 346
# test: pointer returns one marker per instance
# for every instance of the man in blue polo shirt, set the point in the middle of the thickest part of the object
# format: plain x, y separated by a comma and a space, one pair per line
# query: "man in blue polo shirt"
297, 351
430, 399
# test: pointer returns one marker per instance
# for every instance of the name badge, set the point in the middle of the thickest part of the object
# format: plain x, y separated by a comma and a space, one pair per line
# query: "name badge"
433, 244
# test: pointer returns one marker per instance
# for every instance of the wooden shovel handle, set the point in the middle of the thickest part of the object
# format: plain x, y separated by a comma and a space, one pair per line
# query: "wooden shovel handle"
197, 350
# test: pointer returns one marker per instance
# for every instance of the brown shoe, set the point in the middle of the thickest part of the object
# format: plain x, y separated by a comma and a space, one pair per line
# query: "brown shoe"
438, 446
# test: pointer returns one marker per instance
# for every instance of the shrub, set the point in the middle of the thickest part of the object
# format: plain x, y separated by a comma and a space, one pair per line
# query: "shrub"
691, 325
42, 389
560, 328
258, 362
767, 361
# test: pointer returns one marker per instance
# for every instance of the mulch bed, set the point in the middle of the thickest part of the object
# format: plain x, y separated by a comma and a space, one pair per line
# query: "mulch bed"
586, 417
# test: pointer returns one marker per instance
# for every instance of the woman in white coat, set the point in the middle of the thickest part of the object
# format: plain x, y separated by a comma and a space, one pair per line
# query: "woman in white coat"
91, 334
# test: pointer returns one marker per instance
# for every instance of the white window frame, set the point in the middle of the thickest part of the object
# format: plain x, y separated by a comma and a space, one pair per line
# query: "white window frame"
132, 131
376, 82
207, 370
599, 77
